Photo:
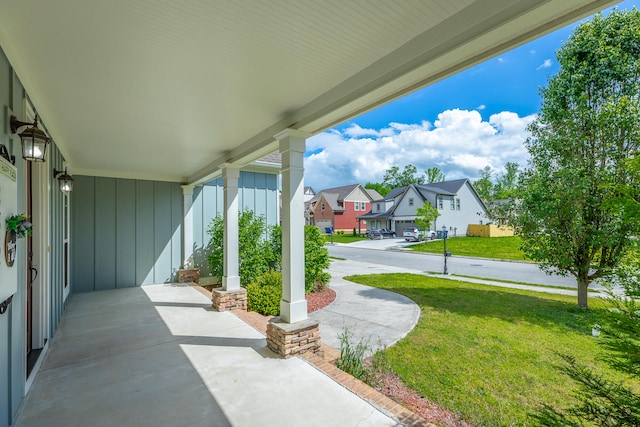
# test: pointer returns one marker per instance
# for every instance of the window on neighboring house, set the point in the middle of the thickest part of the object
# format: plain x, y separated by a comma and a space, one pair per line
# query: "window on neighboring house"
440, 205
356, 206
363, 206
457, 204
378, 207
411, 201
453, 204
322, 206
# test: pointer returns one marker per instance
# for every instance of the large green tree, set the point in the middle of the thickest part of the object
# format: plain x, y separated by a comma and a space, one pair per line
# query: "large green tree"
484, 185
574, 213
394, 177
433, 175
506, 186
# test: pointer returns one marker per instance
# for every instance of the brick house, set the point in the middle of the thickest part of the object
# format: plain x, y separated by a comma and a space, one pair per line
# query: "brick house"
340, 207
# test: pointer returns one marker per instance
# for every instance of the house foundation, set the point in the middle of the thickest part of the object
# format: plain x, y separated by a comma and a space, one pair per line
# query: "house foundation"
222, 300
293, 339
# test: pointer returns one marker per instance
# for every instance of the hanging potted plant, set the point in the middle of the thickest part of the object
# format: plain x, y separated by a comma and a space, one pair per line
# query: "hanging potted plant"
19, 224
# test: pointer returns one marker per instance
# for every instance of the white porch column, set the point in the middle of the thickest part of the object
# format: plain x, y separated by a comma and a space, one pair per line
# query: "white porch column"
187, 226
293, 307
231, 273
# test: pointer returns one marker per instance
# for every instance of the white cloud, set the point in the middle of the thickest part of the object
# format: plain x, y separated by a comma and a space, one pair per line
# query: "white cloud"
545, 64
532, 51
481, 107
501, 60
459, 142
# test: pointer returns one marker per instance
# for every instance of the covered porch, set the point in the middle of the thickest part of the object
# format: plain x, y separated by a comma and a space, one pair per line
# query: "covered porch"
147, 101
158, 355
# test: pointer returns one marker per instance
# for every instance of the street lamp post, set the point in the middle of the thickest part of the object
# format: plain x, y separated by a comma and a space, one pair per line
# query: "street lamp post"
444, 237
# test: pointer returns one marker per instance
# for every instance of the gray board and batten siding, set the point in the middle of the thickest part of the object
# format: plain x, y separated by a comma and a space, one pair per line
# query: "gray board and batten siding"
257, 191
128, 233
125, 232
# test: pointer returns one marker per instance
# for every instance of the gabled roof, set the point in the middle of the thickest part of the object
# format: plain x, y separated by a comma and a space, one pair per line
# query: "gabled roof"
332, 199
373, 194
341, 192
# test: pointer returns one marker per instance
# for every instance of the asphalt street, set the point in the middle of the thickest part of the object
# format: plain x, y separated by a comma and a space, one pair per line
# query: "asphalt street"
389, 252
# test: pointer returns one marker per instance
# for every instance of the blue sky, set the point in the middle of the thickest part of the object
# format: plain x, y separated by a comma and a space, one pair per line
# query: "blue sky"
460, 124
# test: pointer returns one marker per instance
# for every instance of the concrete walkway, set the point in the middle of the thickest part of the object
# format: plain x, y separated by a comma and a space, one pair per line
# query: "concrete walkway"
158, 356
367, 313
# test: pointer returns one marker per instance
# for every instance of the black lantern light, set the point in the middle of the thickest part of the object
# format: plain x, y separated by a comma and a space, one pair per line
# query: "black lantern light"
64, 180
34, 140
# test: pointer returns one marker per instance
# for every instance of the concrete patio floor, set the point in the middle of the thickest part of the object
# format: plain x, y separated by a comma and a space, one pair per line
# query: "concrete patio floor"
158, 356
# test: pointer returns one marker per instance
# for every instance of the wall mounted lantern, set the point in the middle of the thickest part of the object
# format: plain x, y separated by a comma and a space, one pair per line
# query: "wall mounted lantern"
64, 180
34, 140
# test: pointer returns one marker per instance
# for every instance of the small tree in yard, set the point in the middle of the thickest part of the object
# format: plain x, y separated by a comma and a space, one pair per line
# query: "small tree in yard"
425, 215
574, 212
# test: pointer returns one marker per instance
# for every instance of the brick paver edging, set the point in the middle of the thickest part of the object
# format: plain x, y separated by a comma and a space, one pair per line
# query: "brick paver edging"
365, 391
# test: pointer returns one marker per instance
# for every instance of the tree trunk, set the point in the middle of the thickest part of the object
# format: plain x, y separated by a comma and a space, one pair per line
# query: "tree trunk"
583, 300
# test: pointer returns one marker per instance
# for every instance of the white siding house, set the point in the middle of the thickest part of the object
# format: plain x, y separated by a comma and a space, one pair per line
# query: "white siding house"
457, 202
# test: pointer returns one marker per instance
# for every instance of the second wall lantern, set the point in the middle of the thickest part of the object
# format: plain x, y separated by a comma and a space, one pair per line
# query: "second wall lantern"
34, 140
64, 180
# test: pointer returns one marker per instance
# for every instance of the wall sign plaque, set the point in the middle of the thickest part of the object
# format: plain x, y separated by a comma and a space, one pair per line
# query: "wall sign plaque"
10, 247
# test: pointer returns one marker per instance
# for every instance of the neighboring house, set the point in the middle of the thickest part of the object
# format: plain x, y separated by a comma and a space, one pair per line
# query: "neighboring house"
309, 194
340, 207
457, 202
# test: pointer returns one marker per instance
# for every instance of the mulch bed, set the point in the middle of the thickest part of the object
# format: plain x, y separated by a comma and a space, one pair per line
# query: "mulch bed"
320, 299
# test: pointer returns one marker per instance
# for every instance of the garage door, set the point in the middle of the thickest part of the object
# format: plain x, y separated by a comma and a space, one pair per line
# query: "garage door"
403, 225
323, 223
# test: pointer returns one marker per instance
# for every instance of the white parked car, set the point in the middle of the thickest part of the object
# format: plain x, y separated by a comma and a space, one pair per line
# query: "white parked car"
415, 234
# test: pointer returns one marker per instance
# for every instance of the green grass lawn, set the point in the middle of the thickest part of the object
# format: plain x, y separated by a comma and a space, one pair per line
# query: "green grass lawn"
486, 247
488, 354
344, 238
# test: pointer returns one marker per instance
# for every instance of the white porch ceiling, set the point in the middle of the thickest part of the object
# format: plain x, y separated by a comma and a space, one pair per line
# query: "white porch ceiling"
169, 90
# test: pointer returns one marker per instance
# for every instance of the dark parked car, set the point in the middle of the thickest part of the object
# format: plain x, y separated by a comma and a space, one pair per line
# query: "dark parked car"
381, 233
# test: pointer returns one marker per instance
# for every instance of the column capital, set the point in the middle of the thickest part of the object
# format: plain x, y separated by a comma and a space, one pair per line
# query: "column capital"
187, 190
230, 170
292, 140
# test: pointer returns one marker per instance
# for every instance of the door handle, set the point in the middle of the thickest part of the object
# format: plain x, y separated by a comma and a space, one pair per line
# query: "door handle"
34, 275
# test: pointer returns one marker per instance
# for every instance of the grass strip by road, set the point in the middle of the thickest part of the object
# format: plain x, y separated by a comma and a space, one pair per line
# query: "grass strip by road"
568, 288
488, 353
342, 238
507, 248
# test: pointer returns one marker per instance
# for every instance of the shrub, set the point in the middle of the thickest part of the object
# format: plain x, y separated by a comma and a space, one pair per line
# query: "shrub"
354, 234
258, 255
316, 259
264, 294
253, 250
340, 232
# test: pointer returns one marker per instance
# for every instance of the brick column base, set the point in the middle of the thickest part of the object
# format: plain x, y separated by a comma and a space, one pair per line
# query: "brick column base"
229, 300
188, 275
292, 339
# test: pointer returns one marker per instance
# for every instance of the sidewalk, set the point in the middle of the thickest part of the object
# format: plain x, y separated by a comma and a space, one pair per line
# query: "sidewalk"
367, 313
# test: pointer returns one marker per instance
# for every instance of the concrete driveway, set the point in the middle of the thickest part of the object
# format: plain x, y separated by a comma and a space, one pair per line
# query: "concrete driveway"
381, 244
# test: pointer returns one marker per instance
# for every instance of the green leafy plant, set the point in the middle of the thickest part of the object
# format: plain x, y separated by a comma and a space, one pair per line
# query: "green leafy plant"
19, 224
258, 254
360, 360
264, 294
316, 259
